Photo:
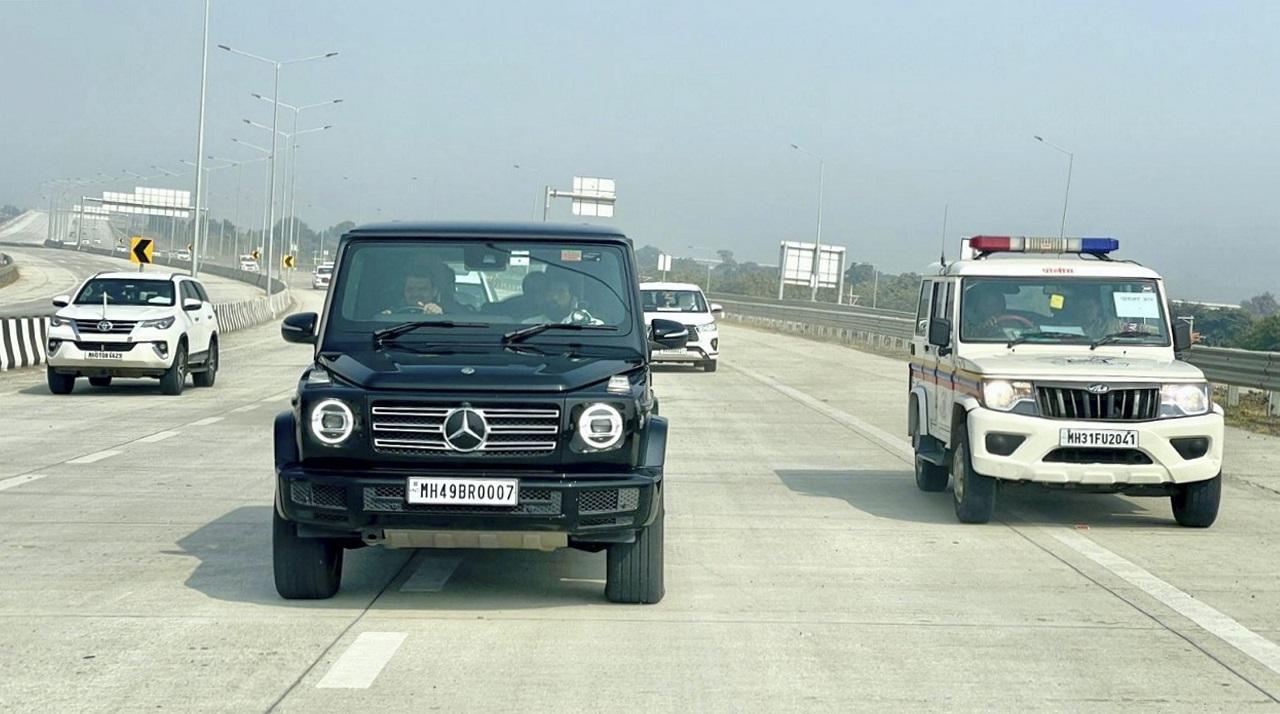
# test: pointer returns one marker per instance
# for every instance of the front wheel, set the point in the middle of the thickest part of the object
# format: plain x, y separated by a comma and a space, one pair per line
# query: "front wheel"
175, 378
974, 494
60, 383
634, 571
1195, 505
304, 568
210, 373
709, 366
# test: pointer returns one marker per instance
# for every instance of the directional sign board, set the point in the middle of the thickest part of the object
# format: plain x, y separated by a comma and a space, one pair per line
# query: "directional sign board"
797, 264
256, 255
594, 196
140, 250
289, 262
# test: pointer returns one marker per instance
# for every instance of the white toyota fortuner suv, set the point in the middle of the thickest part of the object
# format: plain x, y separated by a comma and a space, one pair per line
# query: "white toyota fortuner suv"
684, 303
1058, 367
324, 273
134, 325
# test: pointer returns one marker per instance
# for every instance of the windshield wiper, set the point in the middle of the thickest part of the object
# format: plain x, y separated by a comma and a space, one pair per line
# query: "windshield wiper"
1044, 333
531, 330
1108, 339
389, 333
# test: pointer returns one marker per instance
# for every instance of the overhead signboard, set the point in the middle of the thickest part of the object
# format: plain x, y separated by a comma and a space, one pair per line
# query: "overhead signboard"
796, 260
594, 197
149, 202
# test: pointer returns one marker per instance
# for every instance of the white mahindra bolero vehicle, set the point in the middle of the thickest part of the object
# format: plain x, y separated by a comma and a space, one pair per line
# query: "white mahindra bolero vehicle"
134, 325
684, 303
1058, 369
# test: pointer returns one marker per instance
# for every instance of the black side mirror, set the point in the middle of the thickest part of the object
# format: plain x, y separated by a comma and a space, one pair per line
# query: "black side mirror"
940, 333
1181, 335
668, 334
300, 327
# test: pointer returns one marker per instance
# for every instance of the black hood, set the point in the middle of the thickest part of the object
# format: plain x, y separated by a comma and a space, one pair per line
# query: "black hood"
490, 370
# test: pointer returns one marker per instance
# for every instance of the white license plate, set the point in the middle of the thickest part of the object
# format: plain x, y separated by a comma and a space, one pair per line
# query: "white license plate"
1099, 438
104, 355
429, 490
672, 352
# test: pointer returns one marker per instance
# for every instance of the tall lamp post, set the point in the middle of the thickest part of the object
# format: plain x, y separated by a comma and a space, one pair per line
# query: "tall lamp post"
1066, 196
293, 157
275, 126
290, 195
239, 164
817, 242
266, 190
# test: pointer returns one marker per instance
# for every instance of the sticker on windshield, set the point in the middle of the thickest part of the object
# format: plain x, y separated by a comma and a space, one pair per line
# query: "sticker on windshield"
519, 260
571, 256
1056, 301
1144, 305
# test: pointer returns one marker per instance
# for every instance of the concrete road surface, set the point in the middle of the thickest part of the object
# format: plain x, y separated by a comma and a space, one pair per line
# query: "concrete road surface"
804, 569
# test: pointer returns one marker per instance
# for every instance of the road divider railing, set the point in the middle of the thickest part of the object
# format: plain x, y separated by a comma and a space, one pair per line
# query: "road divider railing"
888, 330
22, 341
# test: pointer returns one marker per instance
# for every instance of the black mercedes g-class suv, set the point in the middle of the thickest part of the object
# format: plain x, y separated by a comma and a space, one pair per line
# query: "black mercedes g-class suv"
475, 386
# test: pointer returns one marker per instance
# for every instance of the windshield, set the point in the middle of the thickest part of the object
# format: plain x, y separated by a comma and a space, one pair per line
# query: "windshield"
497, 284
1077, 310
673, 301
123, 291
324, 270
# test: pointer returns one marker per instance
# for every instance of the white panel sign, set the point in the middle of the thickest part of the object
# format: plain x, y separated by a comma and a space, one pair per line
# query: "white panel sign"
797, 264
594, 197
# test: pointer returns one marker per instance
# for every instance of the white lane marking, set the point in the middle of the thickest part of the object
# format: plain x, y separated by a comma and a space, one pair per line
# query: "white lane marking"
894, 444
158, 436
432, 574
268, 400
19, 480
1207, 618
363, 661
245, 408
90, 458
206, 421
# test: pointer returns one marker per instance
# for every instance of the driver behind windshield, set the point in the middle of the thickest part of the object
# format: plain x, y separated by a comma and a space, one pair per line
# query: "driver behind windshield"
427, 288
983, 307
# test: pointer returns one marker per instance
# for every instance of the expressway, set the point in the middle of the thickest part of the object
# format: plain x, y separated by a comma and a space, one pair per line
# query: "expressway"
46, 272
804, 569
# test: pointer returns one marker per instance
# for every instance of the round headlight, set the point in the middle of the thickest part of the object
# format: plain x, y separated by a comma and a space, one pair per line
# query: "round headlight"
600, 426
332, 421
1184, 399
1003, 395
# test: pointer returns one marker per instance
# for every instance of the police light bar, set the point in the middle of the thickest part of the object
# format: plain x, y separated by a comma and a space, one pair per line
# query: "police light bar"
1029, 244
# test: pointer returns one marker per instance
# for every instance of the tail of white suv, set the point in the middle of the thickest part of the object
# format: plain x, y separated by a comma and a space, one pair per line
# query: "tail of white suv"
134, 325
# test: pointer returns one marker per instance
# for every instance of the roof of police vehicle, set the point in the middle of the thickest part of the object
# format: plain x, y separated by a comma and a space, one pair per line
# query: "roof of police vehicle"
1066, 265
479, 229
670, 286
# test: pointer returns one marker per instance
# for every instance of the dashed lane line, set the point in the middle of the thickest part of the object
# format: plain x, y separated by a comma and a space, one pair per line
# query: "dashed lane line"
1213, 621
206, 421
96, 456
363, 661
245, 408
153, 438
19, 480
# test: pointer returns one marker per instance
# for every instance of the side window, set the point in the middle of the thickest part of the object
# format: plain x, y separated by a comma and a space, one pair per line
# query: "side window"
939, 295
922, 312
188, 293
204, 296
947, 311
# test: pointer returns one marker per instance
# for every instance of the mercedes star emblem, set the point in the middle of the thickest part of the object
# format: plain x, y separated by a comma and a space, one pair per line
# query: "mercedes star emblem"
105, 326
465, 429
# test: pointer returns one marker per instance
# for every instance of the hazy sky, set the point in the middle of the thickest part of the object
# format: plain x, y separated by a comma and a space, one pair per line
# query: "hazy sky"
1171, 108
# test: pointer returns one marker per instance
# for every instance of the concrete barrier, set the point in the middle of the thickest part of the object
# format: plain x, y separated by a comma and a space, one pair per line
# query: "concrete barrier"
8, 270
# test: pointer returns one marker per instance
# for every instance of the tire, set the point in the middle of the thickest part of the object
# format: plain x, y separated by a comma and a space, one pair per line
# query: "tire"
930, 477
175, 378
1195, 505
634, 571
974, 494
207, 377
100, 381
709, 366
60, 383
304, 568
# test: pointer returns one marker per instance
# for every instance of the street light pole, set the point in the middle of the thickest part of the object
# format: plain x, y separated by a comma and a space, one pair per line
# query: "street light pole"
265, 189
817, 242
1066, 196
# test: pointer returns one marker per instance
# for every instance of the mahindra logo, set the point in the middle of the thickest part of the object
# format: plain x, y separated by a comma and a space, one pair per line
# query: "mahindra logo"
1099, 389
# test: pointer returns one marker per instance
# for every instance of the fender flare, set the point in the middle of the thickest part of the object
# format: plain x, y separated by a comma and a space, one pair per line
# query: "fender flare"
655, 443
286, 439
922, 410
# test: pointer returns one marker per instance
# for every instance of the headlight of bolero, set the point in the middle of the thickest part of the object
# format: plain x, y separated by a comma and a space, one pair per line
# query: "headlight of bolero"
1177, 400
1004, 395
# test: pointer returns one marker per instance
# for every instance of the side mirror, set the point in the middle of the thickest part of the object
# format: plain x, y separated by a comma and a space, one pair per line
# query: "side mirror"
668, 334
717, 309
300, 327
940, 332
191, 304
1181, 335
62, 301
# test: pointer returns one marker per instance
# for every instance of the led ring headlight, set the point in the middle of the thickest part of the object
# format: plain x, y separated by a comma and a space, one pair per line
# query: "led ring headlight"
600, 426
332, 422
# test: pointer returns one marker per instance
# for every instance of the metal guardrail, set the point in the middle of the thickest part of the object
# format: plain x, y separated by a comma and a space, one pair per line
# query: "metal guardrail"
1238, 368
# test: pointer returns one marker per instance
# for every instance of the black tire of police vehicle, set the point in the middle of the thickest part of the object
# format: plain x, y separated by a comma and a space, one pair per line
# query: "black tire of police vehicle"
61, 383
709, 366
974, 494
100, 381
175, 378
634, 570
304, 568
1195, 505
207, 377
930, 477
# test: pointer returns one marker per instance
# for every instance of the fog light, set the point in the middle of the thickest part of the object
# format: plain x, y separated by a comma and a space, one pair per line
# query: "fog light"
1004, 444
1190, 447
715, 343
161, 349
54, 344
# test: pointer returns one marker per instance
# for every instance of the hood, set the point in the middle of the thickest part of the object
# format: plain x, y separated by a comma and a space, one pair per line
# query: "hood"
495, 371
115, 312
1085, 367
684, 318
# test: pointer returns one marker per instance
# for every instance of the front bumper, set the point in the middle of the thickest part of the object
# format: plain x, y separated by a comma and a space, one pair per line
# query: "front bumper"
139, 358
703, 348
605, 507
1039, 458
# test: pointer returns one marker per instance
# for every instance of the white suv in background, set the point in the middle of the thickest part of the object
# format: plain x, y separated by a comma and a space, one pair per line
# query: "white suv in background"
134, 325
684, 303
320, 279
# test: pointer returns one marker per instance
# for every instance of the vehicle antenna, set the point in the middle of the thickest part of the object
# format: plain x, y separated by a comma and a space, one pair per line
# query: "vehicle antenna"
942, 259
